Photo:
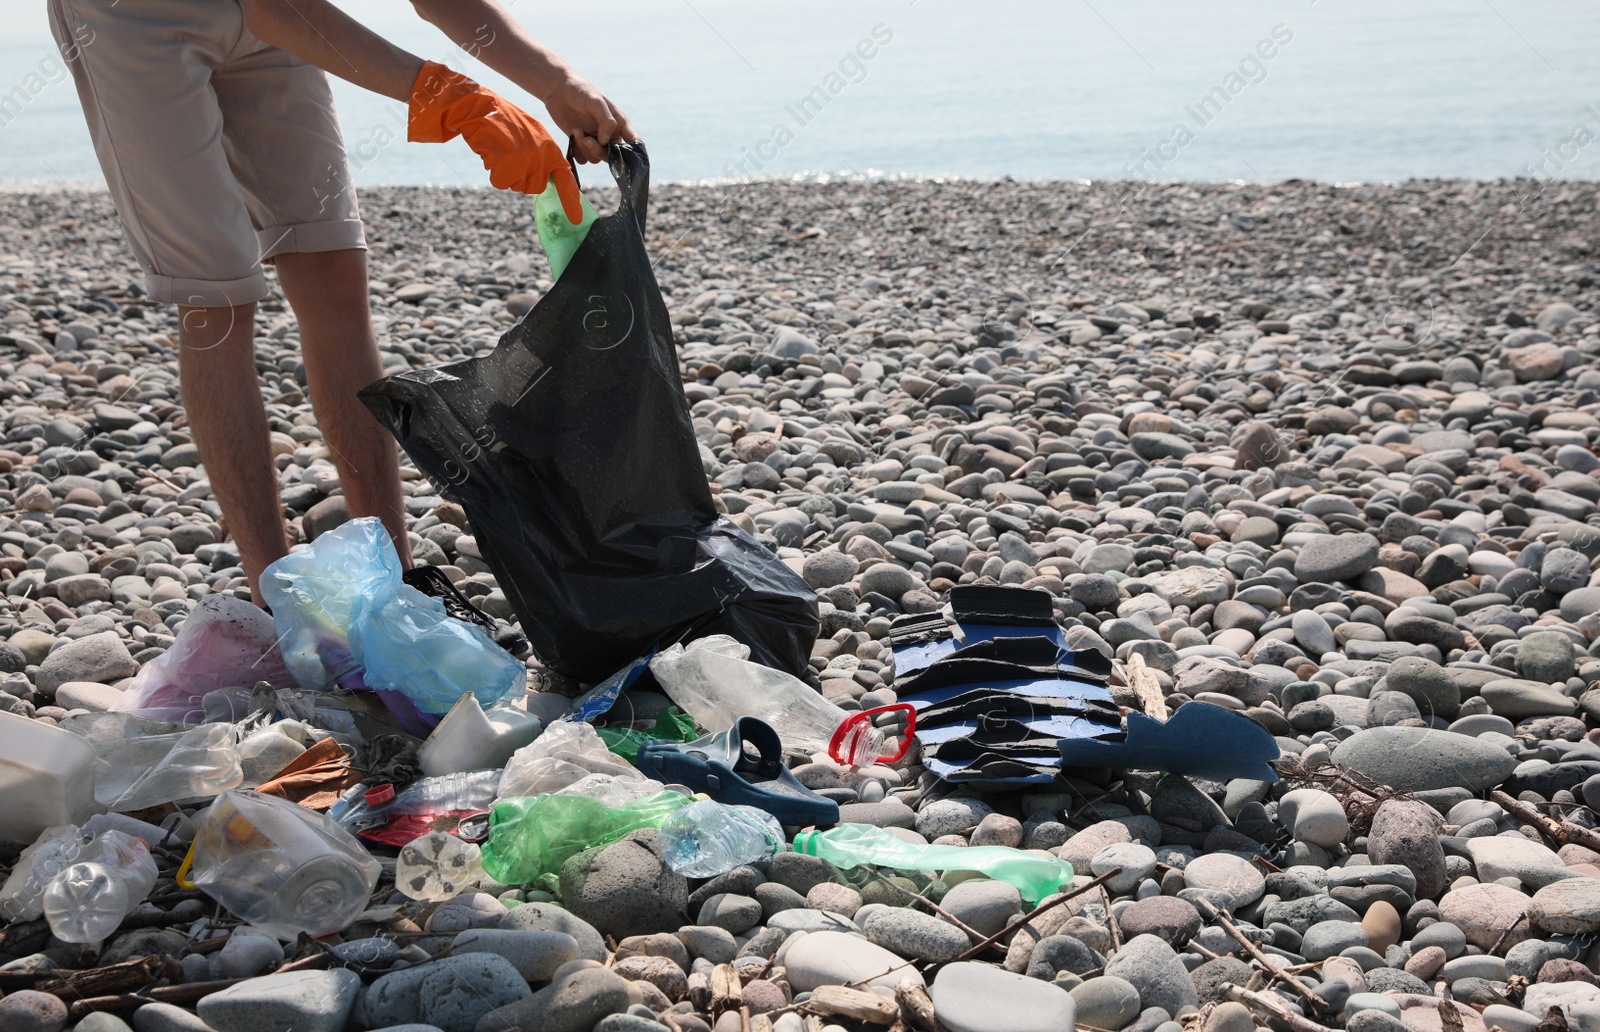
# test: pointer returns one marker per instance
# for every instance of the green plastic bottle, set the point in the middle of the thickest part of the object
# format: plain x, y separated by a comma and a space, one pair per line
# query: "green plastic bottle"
559, 237
851, 845
530, 837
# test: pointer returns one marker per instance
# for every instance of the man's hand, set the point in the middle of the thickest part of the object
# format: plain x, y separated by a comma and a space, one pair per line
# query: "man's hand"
584, 113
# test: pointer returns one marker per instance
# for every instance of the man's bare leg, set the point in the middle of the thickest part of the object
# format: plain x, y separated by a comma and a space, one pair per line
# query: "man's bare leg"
222, 399
328, 292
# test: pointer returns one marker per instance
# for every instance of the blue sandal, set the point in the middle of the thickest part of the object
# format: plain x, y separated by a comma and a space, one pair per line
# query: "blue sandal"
741, 766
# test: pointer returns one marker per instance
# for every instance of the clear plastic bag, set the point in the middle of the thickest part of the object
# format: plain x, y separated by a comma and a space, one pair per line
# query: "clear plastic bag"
346, 619
280, 867
567, 751
224, 643
134, 773
715, 682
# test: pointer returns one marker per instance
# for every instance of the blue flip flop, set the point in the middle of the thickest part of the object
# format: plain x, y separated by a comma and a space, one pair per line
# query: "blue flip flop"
740, 766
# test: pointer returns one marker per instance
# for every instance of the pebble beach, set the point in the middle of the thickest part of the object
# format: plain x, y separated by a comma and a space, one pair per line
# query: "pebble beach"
1326, 456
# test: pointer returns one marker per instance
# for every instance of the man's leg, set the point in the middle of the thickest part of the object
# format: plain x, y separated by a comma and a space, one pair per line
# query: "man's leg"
222, 398
328, 292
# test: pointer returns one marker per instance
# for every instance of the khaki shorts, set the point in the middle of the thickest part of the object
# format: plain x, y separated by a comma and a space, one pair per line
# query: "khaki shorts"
219, 150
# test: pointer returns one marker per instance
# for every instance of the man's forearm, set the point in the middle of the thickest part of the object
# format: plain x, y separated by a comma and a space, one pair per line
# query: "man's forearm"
318, 32
485, 30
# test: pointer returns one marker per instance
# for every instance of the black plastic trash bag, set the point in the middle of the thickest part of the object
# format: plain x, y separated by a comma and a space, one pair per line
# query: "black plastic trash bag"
571, 448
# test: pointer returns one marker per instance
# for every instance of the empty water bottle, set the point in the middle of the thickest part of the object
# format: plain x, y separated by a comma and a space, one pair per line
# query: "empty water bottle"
437, 866
87, 901
852, 845
380, 814
707, 838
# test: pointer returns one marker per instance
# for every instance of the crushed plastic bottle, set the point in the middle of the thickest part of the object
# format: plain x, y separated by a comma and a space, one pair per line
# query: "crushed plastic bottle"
437, 866
530, 838
281, 867
88, 900
851, 845
380, 814
56, 849
707, 838
559, 237
136, 773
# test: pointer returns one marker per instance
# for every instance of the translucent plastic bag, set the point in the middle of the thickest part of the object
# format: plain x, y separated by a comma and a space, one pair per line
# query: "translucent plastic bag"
280, 867
346, 619
567, 751
715, 682
529, 839
225, 642
134, 773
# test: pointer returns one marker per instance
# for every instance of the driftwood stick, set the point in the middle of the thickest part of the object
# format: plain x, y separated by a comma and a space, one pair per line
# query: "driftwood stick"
1563, 832
1277, 1015
1261, 958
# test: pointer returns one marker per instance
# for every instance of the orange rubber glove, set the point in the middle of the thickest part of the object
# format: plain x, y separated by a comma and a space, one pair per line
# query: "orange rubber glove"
518, 151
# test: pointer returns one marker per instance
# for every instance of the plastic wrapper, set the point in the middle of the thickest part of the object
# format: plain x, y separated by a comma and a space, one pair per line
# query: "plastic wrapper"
224, 643
566, 752
280, 867
571, 448
715, 682
346, 619
139, 772
529, 839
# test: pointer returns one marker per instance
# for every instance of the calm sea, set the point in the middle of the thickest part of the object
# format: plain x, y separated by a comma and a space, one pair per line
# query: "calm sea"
1339, 90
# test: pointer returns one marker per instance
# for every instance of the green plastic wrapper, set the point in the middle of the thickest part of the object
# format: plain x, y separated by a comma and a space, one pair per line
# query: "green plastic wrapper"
559, 237
673, 725
530, 837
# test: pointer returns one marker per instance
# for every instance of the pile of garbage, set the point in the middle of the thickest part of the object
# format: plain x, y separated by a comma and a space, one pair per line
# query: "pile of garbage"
356, 809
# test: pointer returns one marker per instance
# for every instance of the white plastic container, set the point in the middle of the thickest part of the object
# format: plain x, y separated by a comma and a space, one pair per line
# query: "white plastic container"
473, 738
46, 778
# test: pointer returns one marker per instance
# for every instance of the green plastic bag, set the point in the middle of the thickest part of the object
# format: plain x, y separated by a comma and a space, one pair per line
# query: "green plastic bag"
530, 837
559, 237
673, 725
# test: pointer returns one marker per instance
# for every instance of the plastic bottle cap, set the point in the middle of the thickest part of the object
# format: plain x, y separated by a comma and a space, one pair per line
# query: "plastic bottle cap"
378, 795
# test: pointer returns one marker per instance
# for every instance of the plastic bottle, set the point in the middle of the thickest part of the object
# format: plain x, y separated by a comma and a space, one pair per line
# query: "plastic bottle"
437, 866
559, 237
87, 901
366, 807
531, 837
714, 682
279, 866
707, 838
851, 845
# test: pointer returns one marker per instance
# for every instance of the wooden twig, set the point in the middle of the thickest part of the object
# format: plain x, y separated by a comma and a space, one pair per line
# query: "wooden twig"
1111, 922
1212, 913
937, 909
1561, 831
916, 1009
191, 992
1278, 1016
855, 1004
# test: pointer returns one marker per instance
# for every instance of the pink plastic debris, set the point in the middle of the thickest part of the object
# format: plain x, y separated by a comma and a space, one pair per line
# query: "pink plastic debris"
226, 642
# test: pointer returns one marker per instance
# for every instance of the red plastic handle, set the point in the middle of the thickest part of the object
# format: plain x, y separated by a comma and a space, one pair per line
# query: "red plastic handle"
848, 726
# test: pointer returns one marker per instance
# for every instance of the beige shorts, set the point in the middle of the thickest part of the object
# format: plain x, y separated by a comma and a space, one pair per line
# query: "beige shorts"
219, 150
